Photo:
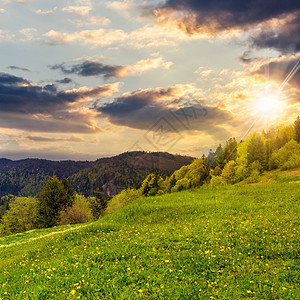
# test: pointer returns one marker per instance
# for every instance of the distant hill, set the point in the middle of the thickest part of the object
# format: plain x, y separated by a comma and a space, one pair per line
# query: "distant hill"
27, 177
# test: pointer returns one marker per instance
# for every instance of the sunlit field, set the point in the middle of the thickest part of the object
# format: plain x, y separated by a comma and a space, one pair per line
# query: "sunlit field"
232, 242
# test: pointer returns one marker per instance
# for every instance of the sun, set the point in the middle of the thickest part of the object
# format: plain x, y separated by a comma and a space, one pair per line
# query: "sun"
268, 105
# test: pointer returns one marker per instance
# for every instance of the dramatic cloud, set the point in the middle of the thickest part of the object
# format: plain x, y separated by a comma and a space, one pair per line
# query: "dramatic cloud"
24, 105
8, 79
96, 68
91, 68
198, 16
174, 107
285, 37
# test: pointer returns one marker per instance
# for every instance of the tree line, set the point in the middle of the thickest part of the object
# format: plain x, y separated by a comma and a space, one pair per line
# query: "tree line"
58, 204
278, 148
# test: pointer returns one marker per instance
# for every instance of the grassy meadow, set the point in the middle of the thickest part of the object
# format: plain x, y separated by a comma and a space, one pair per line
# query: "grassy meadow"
230, 242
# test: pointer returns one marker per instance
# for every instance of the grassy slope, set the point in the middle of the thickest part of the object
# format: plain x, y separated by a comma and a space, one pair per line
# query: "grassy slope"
233, 242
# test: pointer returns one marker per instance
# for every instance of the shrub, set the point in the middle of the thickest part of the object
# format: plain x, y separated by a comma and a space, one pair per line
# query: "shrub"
254, 176
72, 215
217, 180
182, 184
79, 212
122, 199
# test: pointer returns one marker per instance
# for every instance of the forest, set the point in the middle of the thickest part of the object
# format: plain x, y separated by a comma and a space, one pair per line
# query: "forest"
235, 162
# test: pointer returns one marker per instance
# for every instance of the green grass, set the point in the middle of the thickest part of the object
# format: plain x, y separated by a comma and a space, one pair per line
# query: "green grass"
232, 242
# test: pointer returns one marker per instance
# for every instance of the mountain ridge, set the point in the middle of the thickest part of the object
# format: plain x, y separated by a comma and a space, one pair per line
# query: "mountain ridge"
26, 177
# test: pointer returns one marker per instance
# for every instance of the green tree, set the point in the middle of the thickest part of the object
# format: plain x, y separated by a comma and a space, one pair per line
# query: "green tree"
297, 129
219, 155
98, 204
152, 185
217, 171
21, 216
55, 197
230, 149
256, 150
288, 157
172, 182
229, 172
198, 173
145, 188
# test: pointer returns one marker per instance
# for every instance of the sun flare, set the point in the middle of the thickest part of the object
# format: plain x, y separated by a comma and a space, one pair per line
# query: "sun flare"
268, 105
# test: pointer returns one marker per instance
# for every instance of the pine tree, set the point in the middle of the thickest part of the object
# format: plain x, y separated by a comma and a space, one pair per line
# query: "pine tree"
98, 204
219, 155
230, 149
257, 150
172, 182
55, 197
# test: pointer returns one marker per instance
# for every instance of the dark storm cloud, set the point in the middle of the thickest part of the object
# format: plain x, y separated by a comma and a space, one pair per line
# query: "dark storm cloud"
45, 109
17, 95
214, 16
223, 15
18, 68
66, 80
8, 79
91, 68
144, 108
284, 38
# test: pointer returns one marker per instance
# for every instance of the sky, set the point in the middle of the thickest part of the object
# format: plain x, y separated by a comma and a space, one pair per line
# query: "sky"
87, 79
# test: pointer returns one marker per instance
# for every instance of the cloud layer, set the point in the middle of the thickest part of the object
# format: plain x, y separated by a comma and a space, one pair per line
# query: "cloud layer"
88, 68
196, 15
91, 68
143, 109
24, 105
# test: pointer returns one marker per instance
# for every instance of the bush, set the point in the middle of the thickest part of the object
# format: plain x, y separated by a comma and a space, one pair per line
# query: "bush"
182, 184
122, 199
292, 163
72, 215
79, 212
217, 180
254, 176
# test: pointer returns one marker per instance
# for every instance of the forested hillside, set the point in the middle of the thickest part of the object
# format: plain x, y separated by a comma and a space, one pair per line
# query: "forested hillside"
111, 175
